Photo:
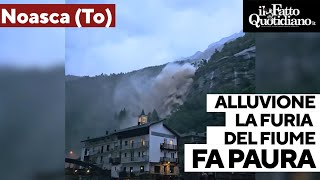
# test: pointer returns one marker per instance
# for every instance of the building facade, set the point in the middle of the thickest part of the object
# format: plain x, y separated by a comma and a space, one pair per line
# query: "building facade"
147, 149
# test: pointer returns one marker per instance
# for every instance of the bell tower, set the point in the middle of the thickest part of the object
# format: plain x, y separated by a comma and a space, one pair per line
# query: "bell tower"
143, 118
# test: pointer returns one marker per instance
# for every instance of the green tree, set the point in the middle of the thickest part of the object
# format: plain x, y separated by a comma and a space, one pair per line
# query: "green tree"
155, 116
142, 112
123, 114
150, 117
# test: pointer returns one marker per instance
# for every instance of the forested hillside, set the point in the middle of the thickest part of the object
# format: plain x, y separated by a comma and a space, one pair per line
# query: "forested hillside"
91, 102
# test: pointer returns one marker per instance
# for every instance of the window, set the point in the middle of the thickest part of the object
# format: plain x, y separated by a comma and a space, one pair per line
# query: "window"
141, 168
126, 143
124, 169
143, 153
101, 158
108, 147
138, 154
171, 141
132, 143
131, 169
165, 154
102, 149
165, 141
125, 154
171, 169
156, 169
172, 155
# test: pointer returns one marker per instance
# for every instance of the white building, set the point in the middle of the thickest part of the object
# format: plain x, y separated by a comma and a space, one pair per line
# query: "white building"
147, 149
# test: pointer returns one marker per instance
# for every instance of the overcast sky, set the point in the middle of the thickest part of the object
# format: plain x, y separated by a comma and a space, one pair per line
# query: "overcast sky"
148, 32
31, 47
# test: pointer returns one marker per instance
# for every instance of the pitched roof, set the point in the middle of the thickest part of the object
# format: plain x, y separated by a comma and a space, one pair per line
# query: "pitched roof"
98, 138
171, 130
136, 130
126, 130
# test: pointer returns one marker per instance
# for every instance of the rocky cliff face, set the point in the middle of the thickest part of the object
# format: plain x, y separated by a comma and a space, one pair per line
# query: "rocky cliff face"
231, 70
229, 73
235, 73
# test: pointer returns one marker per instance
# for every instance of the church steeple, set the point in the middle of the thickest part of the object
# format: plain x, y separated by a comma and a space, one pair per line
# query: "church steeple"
143, 118
142, 112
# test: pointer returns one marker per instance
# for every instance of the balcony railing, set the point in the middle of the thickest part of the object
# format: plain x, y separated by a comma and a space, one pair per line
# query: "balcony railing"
167, 159
92, 153
139, 173
136, 145
135, 159
168, 146
105, 151
126, 174
115, 161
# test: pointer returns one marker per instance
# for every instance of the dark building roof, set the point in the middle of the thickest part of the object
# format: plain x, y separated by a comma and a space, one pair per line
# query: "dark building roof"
132, 131
97, 138
136, 130
171, 130
140, 126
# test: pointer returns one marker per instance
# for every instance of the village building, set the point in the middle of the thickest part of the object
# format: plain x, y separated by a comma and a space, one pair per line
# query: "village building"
148, 149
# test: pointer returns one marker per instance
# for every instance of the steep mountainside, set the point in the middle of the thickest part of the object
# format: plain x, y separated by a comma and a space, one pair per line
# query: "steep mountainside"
92, 103
206, 54
231, 70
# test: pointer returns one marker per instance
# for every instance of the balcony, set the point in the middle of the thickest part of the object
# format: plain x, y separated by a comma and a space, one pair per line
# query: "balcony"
110, 150
135, 159
137, 145
115, 161
105, 151
94, 153
168, 146
167, 159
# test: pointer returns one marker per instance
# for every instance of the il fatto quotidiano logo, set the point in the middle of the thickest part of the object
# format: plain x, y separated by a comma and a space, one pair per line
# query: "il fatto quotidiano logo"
278, 15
